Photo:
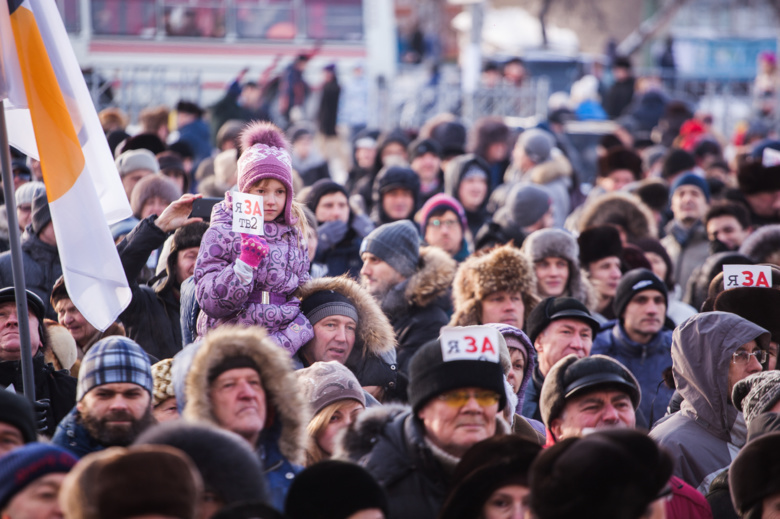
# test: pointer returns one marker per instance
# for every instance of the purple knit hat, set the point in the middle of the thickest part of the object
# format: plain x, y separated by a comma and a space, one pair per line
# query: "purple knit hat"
266, 155
441, 200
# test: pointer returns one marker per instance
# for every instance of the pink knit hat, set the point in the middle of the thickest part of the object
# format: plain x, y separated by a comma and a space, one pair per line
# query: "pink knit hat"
266, 155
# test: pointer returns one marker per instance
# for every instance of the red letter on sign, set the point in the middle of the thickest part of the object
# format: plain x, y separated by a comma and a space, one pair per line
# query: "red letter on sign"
748, 278
487, 346
472, 345
762, 282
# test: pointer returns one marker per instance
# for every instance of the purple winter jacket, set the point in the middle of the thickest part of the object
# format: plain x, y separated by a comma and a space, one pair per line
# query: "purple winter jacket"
224, 299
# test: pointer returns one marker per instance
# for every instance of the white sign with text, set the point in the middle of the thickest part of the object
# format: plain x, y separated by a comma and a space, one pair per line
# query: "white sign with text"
735, 276
469, 343
248, 214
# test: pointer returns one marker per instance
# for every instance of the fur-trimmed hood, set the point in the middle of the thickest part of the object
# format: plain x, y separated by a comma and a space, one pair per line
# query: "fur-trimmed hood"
551, 170
276, 374
502, 268
622, 209
434, 276
374, 332
557, 243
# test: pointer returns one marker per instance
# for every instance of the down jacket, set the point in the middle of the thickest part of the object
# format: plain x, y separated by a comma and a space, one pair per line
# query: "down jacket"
282, 442
705, 435
224, 299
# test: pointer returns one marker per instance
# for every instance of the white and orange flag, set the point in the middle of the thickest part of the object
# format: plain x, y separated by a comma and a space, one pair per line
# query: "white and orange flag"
50, 116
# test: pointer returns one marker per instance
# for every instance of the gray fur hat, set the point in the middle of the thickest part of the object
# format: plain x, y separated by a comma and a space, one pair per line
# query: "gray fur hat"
763, 245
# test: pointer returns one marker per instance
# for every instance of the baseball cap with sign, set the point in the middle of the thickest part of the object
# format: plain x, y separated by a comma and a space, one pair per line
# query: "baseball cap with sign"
462, 357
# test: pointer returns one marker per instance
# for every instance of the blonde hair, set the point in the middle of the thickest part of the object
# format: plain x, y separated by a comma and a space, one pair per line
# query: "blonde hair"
314, 453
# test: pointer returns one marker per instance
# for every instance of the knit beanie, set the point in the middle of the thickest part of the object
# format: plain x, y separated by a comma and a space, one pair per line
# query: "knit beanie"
326, 303
17, 411
554, 308
141, 480
756, 394
134, 160
27, 191
676, 162
525, 205
334, 489
397, 244
452, 138
398, 177
23, 465
420, 147
322, 187
536, 144
163, 382
169, 160
633, 282
692, 179
41, 215
442, 201
572, 376
225, 461
438, 367
266, 155
618, 159
153, 186
324, 383
598, 243
114, 360
612, 474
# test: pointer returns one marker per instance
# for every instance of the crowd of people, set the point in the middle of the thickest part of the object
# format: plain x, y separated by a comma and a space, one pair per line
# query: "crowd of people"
452, 328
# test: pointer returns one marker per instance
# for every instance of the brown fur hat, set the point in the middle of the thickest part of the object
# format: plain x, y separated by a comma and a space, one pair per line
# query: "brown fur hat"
502, 268
619, 159
276, 374
623, 210
148, 187
756, 304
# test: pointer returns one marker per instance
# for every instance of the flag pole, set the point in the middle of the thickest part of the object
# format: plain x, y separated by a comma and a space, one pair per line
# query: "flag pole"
16, 260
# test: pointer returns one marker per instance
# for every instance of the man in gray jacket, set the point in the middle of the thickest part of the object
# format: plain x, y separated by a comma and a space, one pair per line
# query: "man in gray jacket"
710, 353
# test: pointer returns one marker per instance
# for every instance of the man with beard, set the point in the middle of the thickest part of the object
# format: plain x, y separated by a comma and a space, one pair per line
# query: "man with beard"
411, 284
114, 398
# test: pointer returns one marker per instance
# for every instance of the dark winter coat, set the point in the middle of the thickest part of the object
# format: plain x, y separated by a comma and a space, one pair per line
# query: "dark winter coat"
647, 362
327, 115
619, 97
42, 267
417, 307
389, 442
532, 393
73, 436
373, 359
225, 299
344, 257
453, 176
152, 318
57, 386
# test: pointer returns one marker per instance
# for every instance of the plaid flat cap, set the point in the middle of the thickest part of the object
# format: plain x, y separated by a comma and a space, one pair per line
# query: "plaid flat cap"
114, 360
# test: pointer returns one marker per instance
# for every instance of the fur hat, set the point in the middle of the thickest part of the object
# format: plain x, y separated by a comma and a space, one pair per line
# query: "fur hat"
228, 343
620, 159
266, 155
153, 186
654, 193
430, 375
623, 210
62, 345
572, 376
756, 394
142, 480
451, 136
334, 489
163, 383
753, 475
611, 474
676, 162
228, 466
325, 383
487, 466
763, 246
502, 268
598, 243
16, 411
143, 141
753, 177
756, 304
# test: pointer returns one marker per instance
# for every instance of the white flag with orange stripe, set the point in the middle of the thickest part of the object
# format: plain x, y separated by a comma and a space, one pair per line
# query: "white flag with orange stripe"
50, 116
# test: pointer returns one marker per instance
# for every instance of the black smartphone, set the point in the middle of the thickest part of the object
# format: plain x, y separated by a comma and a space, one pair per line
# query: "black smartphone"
201, 207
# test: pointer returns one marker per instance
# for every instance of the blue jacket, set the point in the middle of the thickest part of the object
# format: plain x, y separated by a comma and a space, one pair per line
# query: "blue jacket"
73, 436
646, 361
196, 134
532, 393
279, 472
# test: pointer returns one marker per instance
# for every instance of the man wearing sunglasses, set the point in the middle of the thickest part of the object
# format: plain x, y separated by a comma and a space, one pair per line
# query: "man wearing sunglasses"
711, 352
456, 390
